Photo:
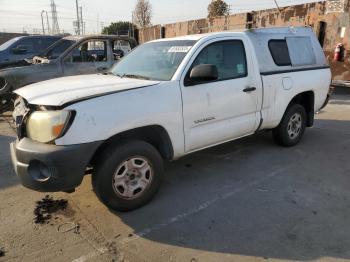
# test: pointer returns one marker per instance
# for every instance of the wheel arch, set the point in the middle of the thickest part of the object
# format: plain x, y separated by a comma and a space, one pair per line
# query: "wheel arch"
307, 100
155, 135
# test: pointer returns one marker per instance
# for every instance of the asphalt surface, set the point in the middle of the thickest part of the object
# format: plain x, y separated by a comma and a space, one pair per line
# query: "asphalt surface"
247, 200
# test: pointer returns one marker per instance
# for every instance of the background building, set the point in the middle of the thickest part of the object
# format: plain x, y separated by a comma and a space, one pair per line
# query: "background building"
330, 21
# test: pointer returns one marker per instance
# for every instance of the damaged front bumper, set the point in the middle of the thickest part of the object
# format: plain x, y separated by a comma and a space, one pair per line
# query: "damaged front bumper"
51, 168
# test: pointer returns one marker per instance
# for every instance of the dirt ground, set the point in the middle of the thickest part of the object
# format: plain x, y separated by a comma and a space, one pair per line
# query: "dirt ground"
247, 200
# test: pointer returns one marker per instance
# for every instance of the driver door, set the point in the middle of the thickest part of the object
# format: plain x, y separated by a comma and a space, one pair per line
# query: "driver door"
88, 58
218, 111
23, 49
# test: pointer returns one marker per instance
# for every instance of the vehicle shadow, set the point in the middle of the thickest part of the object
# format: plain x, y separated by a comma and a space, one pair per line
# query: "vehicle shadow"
253, 198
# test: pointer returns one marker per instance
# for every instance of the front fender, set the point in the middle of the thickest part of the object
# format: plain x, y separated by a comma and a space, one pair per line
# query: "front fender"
100, 118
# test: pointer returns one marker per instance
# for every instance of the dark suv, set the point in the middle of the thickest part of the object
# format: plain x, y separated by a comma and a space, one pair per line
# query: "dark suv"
20, 48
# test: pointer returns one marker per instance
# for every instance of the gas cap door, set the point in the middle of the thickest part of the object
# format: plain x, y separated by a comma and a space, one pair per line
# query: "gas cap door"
287, 83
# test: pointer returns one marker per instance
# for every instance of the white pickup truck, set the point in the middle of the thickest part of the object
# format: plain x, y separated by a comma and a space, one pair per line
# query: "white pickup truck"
166, 99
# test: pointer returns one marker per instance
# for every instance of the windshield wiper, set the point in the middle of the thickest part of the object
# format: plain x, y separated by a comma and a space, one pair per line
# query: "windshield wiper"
135, 76
130, 76
110, 73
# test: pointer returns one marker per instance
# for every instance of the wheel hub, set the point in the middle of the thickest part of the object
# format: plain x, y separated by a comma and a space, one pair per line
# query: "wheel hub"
132, 177
294, 126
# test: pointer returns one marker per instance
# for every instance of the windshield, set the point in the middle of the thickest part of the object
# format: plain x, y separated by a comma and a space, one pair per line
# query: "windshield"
55, 50
154, 61
7, 44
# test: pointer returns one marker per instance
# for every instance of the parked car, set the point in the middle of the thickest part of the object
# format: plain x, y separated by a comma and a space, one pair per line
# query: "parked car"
19, 48
166, 99
73, 55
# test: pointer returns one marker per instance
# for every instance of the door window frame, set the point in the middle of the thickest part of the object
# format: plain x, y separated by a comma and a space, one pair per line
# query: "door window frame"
199, 51
69, 52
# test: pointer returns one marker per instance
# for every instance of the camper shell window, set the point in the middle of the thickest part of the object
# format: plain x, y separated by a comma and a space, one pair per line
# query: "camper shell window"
280, 53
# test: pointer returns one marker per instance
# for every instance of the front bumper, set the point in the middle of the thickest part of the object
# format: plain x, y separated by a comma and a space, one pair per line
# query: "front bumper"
51, 168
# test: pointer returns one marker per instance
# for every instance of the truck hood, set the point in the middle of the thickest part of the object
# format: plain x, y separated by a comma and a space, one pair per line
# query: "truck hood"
60, 91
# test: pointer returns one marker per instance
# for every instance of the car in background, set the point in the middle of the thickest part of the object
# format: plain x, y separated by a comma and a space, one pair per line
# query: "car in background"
23, 47
72, 55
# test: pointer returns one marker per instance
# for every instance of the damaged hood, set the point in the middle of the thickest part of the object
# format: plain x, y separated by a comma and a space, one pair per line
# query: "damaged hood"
59, 91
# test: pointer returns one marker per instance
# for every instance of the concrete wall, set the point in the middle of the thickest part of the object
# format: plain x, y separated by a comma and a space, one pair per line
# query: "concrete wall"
311, 14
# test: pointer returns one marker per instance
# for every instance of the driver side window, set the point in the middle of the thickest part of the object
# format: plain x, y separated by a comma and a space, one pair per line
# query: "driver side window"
91, 51
228, 57
26, 45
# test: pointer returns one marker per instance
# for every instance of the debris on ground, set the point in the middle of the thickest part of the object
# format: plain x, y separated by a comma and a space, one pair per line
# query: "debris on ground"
2, 252
69, 226
47, 206
112, 248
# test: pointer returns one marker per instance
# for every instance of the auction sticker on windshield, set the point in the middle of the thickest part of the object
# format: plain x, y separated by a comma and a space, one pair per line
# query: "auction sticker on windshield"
179, 49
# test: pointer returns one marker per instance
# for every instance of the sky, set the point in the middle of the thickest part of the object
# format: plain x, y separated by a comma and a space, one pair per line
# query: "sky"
19, 15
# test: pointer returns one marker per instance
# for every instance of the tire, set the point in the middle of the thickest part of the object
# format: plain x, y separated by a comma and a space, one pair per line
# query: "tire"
292, 127
122, 181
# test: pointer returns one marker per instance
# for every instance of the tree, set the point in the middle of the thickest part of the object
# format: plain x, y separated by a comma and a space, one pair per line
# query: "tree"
218, 8
142, 14
118, 28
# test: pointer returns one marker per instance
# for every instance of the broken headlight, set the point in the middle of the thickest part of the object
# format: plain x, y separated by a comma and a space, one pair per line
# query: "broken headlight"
46, 126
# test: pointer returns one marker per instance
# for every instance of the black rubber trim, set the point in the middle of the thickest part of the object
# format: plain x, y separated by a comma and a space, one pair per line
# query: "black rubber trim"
66, 164
293, 70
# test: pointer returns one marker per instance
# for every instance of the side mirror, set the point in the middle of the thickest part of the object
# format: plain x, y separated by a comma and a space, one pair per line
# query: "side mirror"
19, 50
203, 73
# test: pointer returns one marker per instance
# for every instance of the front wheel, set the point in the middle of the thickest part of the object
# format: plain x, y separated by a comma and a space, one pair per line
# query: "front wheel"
292, 127
128, 175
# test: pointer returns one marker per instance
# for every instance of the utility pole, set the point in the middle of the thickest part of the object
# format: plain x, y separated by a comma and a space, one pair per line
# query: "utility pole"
132, 24
81, 20
55, 26
48, 24
78, 20
42, 21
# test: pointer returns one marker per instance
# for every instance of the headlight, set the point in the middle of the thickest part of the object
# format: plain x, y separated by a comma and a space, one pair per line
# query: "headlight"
46, 126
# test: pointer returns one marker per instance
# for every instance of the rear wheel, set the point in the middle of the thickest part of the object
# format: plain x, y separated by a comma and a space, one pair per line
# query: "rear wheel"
292, 127
128, 175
